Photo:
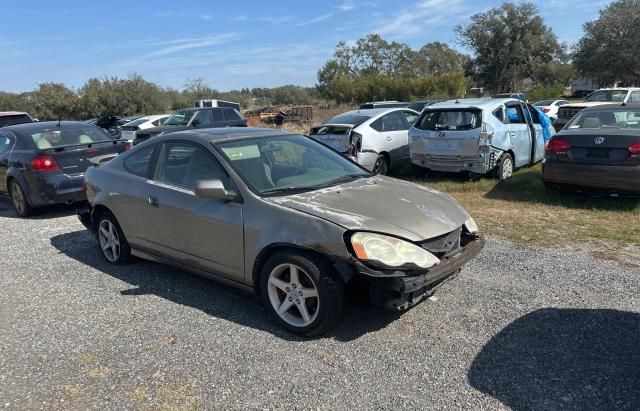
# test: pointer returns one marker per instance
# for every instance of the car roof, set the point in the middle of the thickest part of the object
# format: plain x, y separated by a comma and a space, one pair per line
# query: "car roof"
485, 102
617, 88
11, 113
39, 125
228, 133
372, 112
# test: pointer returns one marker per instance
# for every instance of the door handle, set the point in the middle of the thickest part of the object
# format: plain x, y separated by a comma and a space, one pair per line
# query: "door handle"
389, 138
512, 133
153, 202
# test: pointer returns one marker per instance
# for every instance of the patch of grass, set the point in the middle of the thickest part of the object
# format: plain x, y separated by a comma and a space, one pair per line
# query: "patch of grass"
524, 211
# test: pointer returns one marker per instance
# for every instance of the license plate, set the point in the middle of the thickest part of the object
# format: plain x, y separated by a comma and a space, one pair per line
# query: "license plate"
443, 145
128, 135
598, 153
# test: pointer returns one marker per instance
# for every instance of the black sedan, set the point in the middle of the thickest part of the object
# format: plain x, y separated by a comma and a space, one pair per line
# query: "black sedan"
44, 163
597, 152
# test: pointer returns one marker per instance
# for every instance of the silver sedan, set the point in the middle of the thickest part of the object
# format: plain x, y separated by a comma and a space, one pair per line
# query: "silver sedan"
280, 215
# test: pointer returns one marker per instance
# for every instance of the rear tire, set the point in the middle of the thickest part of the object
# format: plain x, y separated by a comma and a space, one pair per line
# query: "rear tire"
19, 199
302, 292
381, 166
505, 167
113, 244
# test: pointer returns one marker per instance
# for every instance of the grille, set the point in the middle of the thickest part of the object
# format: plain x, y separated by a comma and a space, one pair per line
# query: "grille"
569, 112
443, 244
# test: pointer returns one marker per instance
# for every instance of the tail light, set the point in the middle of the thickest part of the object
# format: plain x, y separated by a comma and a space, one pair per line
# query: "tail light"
558, 146
546, 110
44, 163
486, 134
127, 146
356, 143
634, 149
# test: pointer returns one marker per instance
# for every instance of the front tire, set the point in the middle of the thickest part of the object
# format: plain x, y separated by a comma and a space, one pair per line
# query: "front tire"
113, 244
19, 200
302, 292
505, 168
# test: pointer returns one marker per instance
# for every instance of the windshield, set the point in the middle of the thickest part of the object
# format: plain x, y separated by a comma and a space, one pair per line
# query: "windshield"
180, 118
450, 120
68, 135
348, 118
284, 164
599, 119
615, 96
544, 103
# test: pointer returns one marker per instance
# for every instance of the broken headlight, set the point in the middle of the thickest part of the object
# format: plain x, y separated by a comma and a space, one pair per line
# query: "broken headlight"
390, 251
471, 225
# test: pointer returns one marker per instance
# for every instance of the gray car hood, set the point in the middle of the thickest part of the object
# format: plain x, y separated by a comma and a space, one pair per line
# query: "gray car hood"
382, 204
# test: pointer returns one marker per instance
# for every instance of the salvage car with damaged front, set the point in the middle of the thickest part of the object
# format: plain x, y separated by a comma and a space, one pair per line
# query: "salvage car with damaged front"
477, 136
281, 215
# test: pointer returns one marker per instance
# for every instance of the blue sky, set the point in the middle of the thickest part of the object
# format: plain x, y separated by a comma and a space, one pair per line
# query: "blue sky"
230, 44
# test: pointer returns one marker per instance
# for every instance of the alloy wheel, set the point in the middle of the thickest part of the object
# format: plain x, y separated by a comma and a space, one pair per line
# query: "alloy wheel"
109, 240
293, 295
18, 198
380, 167
507, 168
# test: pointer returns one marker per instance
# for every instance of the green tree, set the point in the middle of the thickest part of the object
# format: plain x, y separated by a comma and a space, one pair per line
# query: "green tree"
438, 58
512, 44
610, 48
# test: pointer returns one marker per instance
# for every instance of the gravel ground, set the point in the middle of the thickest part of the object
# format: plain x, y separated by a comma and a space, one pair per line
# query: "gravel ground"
520, 328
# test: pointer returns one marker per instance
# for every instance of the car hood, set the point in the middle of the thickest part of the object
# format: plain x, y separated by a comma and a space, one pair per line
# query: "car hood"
164, 129
382, 204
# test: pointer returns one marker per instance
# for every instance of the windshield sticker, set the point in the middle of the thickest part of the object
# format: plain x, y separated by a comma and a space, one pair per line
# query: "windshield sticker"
242, 152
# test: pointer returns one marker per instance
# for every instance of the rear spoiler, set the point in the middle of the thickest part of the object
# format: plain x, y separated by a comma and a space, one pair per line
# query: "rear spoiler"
88, 145
102, 159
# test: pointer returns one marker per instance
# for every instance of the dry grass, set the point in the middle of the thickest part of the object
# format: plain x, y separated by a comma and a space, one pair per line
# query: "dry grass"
523, 210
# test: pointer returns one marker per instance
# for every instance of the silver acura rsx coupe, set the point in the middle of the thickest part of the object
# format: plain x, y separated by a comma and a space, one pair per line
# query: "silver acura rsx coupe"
281, 215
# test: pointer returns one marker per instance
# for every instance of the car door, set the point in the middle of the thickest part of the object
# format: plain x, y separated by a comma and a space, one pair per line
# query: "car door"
519, 133
231, 118
6, 144
197, 232
391, 135
201, 119
537, 152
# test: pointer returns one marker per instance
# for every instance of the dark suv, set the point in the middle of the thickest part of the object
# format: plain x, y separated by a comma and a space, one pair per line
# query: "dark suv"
194, 117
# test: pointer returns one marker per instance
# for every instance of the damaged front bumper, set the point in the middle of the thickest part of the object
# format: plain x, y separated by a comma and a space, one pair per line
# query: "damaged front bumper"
398, 289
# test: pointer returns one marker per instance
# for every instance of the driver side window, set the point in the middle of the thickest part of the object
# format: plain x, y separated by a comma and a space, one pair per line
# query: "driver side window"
184, 164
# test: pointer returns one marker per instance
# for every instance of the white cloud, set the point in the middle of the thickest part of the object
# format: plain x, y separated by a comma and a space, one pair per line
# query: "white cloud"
314, 20
346, 5
422, 16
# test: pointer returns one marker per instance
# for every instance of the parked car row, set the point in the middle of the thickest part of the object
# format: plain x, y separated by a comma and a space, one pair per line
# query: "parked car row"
477, 136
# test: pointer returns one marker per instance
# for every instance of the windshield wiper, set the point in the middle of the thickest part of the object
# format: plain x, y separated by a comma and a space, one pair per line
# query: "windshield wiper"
342, 179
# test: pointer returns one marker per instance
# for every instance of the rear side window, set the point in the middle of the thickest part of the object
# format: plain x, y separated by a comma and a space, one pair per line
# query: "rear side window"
515, 114
458, 120
500, 114
138, 162
410, 117
5, 144
390, 122
230, 114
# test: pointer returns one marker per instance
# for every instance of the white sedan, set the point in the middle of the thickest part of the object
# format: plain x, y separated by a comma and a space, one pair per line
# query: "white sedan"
550, 107
128, 131
377, 139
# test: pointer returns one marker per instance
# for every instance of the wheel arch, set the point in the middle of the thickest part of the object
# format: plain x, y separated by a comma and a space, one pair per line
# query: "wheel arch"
274, 248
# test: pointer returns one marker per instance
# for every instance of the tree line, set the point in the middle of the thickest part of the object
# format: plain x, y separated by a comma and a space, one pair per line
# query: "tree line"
135, 95
512, 49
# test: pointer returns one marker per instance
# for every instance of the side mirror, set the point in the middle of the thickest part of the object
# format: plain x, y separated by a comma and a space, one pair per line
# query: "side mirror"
215, 190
